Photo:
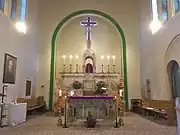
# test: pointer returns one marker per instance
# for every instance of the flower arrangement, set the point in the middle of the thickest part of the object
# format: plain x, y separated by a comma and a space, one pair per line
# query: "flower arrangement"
99, 86
77, 85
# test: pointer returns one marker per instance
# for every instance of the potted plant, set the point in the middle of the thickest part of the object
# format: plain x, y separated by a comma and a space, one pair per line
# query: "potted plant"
99, 86
77, 85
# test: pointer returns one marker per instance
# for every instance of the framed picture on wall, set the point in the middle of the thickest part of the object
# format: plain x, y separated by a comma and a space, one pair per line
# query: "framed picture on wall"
148, 85
28, 88
10, 64
148, 88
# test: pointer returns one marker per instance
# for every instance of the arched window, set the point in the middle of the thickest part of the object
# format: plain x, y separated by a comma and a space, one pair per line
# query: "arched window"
2, 5
13, 9
176, 5
175, 78
23, 10
164, 10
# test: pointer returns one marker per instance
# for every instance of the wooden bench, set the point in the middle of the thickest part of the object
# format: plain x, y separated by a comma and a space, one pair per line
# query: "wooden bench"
33, 105
158, 109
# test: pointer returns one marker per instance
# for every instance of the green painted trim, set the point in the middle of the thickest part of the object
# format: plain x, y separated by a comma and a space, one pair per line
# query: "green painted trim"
53, 43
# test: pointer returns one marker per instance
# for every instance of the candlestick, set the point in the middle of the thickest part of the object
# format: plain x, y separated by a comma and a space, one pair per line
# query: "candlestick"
108, 57
70, 68
116, 126
102, 69
70, 59
76, 68
77, 57
64, 67
65, 126
114, 69
108, 69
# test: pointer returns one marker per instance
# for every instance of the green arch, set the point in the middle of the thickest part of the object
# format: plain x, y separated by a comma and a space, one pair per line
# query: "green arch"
53, 42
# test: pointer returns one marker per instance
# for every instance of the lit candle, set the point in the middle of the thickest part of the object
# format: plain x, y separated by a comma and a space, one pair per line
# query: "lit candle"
64, 58
108, 57
70, 57
60, 93
113, 57
102, 57
77, 57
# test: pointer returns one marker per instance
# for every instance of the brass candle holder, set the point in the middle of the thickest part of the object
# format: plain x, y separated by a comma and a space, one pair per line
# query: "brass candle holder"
108, 69
65, 111
77, 68
116, 113
102, 71
64, 68
70, 68
114, 69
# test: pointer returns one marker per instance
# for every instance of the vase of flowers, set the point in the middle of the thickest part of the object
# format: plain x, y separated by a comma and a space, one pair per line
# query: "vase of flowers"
77, 85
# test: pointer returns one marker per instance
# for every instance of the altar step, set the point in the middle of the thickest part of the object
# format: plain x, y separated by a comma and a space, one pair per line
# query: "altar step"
100, 122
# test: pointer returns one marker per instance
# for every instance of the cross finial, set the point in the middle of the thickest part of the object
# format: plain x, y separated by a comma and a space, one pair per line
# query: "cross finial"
88, 24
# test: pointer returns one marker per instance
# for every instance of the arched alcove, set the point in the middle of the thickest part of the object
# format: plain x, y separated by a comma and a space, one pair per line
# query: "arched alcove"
171, 59
53, 45
173, 71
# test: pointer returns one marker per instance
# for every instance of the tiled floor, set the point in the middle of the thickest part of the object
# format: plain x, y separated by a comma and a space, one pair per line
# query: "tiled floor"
46, 125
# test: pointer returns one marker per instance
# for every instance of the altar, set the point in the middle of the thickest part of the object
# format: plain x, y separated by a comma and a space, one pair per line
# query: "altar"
79, 107
89, 84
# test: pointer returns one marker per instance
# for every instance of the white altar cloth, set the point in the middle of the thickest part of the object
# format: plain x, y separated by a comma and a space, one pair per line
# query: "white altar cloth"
17, 113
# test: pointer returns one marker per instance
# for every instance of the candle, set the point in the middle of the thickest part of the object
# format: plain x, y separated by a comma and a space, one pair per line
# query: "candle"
64, 59
113, 57
77, 57
70, 57
60, 93
102, 57
108, 57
